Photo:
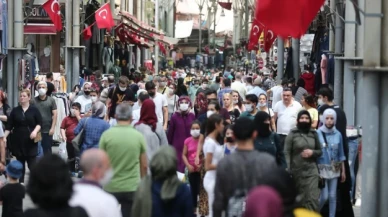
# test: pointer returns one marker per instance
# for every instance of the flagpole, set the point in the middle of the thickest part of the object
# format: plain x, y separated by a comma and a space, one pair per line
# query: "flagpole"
156, 41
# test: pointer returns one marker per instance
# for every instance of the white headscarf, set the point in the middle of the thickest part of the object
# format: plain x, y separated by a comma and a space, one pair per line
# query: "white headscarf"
326, 113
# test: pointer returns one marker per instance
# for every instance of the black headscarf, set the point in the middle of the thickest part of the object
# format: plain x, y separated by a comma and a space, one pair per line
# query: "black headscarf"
262, 128
304, 126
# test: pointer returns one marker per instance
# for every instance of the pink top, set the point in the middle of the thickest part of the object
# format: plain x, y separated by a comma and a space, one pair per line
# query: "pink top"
191, 144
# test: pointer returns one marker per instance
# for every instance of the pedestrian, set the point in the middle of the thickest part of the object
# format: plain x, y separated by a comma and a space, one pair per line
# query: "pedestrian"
51, 193
188, 156
250, 105
237, 100
162, 194
229, 140
264, 201
13, 193
263, 106
85, 99
161, 104
142, 95
309, 105
232, 109
302, 149
126, 148
240, 171
88, 192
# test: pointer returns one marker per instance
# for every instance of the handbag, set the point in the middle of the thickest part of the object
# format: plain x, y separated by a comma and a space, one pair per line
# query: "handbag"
38, 137
78, 140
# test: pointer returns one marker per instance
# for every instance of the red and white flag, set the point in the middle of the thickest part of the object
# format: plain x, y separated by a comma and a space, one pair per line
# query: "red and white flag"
87, 33
254, 36
269, 38
104, 18
53, 9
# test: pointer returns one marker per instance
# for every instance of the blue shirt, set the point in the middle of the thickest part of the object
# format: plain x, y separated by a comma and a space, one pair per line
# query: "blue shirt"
257, 91
93, 130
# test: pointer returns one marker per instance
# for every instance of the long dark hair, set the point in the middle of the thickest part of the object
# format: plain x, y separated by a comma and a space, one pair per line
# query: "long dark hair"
181, 89
212, 121
309, 99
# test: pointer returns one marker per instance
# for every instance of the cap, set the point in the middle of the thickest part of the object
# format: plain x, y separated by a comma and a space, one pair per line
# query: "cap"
14, 169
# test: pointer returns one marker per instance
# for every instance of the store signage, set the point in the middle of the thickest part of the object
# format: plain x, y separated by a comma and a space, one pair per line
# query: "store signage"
38, 11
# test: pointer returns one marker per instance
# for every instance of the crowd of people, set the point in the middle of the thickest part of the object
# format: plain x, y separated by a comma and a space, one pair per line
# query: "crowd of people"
248, 146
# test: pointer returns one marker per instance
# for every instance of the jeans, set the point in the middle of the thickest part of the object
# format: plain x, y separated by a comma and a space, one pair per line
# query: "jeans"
358, 183
70, 156
30, 162
353, 151
40, 150
47, 143
329, 192
195, 181
125, 199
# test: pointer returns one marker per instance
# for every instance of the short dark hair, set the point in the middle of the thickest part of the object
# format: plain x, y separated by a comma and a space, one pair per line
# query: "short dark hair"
243, 129
252, 97
226, 82
205, 80
123, 79
325, 91
50, 185
248, 80
215, 103
150, 85
212, 121
210, 92
75, 104
309, 99
143, 96
300, 82
218, 79
49, 75
284, 81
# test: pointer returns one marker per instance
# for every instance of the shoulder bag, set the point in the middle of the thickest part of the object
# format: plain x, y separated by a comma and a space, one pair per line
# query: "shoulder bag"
79, 139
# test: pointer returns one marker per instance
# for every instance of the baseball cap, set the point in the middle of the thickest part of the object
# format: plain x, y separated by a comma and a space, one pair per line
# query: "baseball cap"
14, 169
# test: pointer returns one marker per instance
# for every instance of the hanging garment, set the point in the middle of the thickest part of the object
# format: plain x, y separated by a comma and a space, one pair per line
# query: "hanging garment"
330, 71
289, 69
4, 32
309, 80
323, 68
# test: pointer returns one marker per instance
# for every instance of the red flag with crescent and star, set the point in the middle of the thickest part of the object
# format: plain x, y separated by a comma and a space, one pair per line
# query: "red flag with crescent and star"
87, 33
269, 38
104, 18
256, 31
120, 32
53, 9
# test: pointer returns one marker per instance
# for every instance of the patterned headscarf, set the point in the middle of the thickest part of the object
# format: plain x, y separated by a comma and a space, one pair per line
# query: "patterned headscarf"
201, 102
183, 98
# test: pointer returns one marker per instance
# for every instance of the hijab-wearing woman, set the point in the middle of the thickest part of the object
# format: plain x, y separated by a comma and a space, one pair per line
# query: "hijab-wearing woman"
331, 163
264, 201
162, 194
302, 149
181, 89
152, 130
267, 140
179, 129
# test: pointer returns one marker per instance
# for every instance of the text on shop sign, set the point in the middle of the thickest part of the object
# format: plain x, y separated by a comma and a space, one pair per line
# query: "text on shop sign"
38, 12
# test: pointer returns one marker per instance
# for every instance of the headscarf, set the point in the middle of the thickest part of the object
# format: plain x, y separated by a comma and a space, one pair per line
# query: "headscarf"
301, 125
263, 201
184, 98
163, 169
98, 109
262, 128
201, 102
147, 114
326, 113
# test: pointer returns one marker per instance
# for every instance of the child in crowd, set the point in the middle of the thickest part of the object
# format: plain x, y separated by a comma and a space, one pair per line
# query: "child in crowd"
188, 156
229, 145
12, 194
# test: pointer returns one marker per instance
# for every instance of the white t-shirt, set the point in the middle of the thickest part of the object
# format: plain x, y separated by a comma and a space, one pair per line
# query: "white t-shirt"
269, 111
86, 103
286, 116
95, 201
276, 95
160, 101
211, 146
135, 116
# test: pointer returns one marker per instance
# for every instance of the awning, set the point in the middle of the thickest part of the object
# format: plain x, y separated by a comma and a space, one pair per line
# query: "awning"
39, 29
183, 28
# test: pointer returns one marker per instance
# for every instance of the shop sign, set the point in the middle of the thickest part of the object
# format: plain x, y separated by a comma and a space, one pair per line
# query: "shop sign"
38, 11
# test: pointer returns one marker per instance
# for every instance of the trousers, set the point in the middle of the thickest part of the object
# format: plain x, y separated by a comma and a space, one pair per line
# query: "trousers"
125, 199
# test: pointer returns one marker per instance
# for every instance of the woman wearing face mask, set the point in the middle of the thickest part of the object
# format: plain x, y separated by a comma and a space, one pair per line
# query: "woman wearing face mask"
179, 128
263, 106
267, 140
67, 132
172, 99
228, 105
85, 99
302, 149
331, 163
237, 101
229, 144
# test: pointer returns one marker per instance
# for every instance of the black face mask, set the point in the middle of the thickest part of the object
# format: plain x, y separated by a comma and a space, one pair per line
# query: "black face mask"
229, 139
87, 92
305, 126
152, 94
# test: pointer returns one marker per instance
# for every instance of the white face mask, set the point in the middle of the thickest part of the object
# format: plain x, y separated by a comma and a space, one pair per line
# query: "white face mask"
184, 107
320, 102
94, 98
72, 112
42, 92
204, 86
209, 113
122, 88
107, 177
170, 91
248, 107
262, 104
235, 102
194, 133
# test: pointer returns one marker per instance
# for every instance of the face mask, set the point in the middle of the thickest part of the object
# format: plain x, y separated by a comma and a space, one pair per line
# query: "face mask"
72, 112
122, 88
152, 94
106, 178
194, 133
229, 139
204, 86
94, 98
248, 107
184, 107
196, 85
162, 84
235, 101
171, 91
87, 92
42, 92
209, 113
320, 102
263, 104
304, 125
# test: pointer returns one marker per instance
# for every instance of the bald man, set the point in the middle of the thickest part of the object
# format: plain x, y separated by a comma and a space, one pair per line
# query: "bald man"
239, 86
88, 193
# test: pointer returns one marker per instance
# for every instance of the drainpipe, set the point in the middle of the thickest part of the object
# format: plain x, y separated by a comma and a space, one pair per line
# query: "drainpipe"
359, 74
18, 46
331, 33
11, 87
338, 65
69, 43
76, 45
156, 53
138, 50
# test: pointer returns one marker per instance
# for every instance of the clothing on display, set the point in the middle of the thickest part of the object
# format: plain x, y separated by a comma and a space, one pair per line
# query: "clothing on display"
107, 59
44, 60
4, 24
116, 71
324, 68
63, 110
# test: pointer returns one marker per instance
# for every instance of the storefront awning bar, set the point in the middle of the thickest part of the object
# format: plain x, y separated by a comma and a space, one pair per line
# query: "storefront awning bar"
39, 29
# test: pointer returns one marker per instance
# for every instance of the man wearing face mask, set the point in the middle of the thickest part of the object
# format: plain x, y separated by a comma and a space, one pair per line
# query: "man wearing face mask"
85, 99
161, 104
250, 104
203, 87
48, 109
163, 88
193, 90
110, 84
88, 192
117, 95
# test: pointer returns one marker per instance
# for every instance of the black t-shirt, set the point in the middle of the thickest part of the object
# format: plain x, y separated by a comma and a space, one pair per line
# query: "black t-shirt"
12, 196
50, 88
117, 96
64, 212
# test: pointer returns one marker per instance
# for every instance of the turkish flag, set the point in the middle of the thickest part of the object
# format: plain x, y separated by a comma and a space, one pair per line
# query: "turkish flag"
292, 17
254, 36
162, 48
87, 33
53, 9
104, 18
269, 38
120, 32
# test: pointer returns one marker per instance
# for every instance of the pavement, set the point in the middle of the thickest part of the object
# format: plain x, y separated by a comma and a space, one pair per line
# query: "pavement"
27, 203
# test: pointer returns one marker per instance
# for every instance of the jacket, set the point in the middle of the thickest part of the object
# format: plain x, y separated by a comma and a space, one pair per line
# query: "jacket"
271, 145
309, 80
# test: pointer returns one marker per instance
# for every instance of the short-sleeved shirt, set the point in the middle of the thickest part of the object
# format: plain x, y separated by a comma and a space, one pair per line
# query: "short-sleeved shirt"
313, 113
213, 147
286, 116
191, 145
12, 197
117, 96
124, 146
69, 124
46, 108
50, 88
160, 101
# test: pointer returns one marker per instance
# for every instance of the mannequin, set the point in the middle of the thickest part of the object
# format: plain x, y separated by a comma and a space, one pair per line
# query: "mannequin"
123, 53
323, 68
44, 64
107, 57
30, 57
116, 70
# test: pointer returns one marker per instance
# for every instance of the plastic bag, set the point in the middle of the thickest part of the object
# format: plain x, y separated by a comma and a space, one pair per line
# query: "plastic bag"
62, 151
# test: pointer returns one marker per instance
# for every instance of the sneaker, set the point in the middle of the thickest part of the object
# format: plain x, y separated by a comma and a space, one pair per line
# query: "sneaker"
358, 203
